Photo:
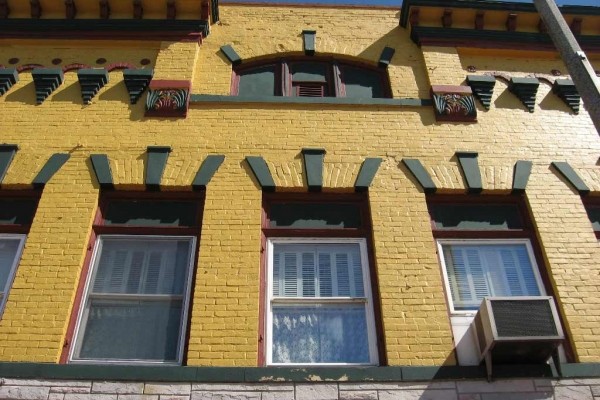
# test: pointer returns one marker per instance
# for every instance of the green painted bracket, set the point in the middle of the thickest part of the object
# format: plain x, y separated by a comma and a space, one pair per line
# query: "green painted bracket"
233, 57
386, 57
483, 88
309, 37
367, 172
8, 77
521, 174
136, 81
209, 166
470, 168
54, 163
571, 176
421, 175
91, 81
7, 153
261, 171
155, 165
313, 168
46, 81
102, 170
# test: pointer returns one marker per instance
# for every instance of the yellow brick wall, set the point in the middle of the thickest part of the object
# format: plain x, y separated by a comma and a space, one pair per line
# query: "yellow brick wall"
224, 318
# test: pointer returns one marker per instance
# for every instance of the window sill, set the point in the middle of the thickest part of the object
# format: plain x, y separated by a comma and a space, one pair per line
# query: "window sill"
285, 374
209, 98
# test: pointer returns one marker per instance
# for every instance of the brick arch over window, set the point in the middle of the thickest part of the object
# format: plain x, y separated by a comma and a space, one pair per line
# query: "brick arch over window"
301, 76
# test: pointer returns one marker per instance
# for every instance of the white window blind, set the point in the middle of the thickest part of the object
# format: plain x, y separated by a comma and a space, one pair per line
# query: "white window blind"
479, 270
317, 271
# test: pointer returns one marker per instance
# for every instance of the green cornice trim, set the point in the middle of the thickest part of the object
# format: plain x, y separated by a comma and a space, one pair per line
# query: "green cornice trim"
367, 172
155, 165
313, 168
7, 153
521, 174
488, 5
54, 163
261, 172
421, 175
571, 176
207, 170
210, 98
470, 168
232, 55
33, 26
286, 374
102, 170
450, 37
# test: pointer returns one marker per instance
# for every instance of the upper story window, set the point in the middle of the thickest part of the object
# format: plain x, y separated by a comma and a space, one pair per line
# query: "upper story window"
310, 78
16, 215
320, 308
136, 296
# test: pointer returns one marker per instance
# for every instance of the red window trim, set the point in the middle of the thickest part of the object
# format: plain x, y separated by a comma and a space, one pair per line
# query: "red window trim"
527, 232
334, 85
100, 229
365, 232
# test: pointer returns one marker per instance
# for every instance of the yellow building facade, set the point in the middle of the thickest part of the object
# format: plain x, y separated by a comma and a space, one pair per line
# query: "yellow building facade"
392, 115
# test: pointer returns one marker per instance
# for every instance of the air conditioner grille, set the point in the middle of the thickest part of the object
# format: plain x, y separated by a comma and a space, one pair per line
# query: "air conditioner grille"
523, 318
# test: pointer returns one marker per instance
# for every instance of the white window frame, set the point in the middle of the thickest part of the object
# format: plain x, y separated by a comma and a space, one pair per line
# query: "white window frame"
13, 269
474, 242
367, 300
84, 308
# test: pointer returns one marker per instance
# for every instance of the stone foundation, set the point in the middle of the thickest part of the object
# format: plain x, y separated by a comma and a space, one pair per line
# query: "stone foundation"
513, 389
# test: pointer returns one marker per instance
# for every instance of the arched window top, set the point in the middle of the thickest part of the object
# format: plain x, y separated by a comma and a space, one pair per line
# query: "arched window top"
310, 77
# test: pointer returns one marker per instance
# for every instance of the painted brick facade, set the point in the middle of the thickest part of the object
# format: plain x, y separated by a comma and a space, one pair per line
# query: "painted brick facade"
224, 320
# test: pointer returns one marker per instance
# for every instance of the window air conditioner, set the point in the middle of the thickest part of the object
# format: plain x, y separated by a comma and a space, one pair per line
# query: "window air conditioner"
517, 330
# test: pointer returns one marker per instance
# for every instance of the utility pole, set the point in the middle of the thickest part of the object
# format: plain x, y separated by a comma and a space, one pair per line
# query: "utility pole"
580, 69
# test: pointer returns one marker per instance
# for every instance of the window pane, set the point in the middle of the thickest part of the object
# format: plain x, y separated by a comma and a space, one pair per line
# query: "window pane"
317, 270
320, 334
8, 252
475, 216
132, 330
476, 271
17, 211
258, 81
593, 213
142, 266
361, 82
151, 213
309, 72
314, 215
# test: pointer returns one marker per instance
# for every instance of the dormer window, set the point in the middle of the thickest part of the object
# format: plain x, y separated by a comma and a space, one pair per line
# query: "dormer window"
310, 78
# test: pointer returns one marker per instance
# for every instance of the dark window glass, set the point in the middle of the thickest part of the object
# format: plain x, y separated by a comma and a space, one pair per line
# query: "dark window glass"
151, 213
309, 72
594, 215
475, 216
314, 215
258, 81
362, 83
17, 211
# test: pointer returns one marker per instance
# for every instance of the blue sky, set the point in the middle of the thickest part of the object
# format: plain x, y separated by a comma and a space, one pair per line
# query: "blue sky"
397, 3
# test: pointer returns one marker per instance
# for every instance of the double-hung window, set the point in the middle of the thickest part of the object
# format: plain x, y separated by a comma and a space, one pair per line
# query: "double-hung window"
319, 302
16, 215
485, 250
136, 296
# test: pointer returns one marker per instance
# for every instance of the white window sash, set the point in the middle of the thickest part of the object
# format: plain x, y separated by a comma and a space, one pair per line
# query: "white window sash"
84, 309
475, 242
4, 291
367, 299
